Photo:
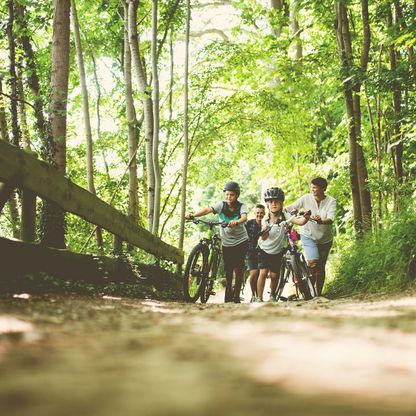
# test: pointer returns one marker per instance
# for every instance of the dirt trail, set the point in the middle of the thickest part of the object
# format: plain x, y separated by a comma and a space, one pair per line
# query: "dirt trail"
95, 356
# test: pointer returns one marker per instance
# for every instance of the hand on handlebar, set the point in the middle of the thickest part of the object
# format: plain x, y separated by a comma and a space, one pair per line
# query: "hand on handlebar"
189, 216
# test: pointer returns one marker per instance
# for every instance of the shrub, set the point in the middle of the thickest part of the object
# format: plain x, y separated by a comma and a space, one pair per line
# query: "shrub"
379, 263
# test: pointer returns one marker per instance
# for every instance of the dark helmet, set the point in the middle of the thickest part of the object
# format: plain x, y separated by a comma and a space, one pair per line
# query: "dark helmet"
274, 193
232, 187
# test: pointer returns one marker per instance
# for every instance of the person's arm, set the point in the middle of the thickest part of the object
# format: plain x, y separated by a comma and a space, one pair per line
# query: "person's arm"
241, 220
298, 204
301, 220
200, 213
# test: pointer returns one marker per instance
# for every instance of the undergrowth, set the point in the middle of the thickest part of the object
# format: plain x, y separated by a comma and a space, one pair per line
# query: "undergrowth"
380, 263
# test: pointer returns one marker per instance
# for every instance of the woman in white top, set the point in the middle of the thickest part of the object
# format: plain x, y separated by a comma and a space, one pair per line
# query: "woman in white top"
272, 241
316, 235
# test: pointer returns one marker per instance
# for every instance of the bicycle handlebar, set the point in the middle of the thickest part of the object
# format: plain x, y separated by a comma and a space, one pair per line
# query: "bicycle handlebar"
209, 223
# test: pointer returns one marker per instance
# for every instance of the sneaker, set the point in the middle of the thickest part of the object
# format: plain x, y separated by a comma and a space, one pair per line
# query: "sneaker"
258, 300
272, 298
253, 299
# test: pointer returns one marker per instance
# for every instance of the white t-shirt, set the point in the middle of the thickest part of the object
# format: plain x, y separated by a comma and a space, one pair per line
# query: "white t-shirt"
276, 241
321, 233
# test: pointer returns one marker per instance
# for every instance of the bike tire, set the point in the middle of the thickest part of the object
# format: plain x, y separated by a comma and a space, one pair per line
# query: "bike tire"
305, 285
212, 275
195, 273
282, 279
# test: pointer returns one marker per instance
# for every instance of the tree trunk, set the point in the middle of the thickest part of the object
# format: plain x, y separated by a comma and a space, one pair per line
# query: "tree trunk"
86, 113
32, 76
294, 25
53, 226
185, 127
131, 123
28, 222
352, 87
156, 123
97, 108
13, 76
12, 202
147, 108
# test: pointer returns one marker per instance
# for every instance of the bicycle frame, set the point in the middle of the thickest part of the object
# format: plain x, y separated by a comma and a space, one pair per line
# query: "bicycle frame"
294, 267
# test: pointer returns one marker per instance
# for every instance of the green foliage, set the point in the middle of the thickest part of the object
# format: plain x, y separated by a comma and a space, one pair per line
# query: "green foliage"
377, 264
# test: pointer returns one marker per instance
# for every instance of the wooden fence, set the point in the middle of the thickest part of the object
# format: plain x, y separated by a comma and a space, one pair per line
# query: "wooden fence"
20, 169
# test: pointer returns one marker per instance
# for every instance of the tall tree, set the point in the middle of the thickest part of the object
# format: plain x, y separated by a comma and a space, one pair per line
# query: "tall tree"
14, 95
53, 226
131, 122
86, 112
185, 159
352, 83
147, 107
156, 122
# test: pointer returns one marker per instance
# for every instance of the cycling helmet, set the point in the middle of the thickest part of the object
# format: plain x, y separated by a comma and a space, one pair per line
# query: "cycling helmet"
274, 193
232, 187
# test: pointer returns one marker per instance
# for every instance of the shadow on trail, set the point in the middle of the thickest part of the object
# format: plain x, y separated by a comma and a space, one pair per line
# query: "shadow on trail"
121, 356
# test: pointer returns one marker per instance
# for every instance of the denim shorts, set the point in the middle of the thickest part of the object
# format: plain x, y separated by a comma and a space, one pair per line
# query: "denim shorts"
252, 259
315, 251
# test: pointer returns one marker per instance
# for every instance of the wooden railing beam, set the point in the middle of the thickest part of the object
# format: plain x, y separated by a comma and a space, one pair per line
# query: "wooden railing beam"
44, 180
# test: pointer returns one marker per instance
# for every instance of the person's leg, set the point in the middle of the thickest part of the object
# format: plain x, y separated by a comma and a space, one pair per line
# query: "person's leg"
239, 254
253, 282
276, 262
323, 257
273, 284
261, 282
312, 257
239, 276
228, 268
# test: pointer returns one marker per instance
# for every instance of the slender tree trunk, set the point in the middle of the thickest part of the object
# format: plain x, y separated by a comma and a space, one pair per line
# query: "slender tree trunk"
13, 76
12, 202
131, 123
97, 108
294, 25
185, 127
28, 221
86, 113
352, 90
54, 218
397, 101
156, 123
147, 108
345, 56
32, 76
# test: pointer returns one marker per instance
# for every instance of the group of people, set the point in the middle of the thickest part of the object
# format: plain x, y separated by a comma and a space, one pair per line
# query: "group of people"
262, 241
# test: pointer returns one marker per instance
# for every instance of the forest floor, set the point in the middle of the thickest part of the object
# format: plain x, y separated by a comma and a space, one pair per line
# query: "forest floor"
74, 355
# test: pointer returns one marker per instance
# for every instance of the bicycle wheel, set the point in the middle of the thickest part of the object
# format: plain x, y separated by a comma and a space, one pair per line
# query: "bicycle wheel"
212, 275
195, 273
282, 278
304, 283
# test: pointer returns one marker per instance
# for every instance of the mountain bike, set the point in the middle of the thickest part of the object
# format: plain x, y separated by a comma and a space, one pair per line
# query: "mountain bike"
294, 268
202, 265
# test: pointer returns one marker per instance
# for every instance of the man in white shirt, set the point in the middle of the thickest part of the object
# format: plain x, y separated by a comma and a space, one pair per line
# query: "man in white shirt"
316, 235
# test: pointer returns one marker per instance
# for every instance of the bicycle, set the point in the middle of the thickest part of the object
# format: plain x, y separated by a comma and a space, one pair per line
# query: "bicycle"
294, 268
202, 265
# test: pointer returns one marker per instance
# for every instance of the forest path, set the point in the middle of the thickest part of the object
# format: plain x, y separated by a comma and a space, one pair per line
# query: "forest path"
118, 356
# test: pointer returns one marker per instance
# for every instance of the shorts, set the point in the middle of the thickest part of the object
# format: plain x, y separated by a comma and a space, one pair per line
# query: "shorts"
252, 259
234, 256
315, 251
270, 261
